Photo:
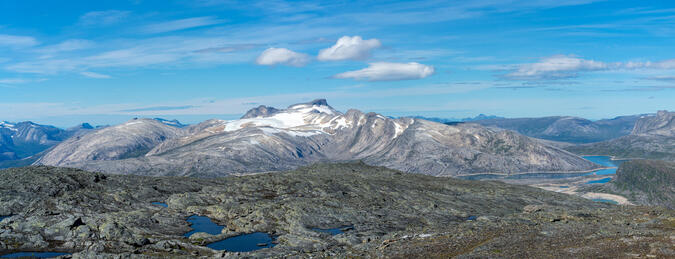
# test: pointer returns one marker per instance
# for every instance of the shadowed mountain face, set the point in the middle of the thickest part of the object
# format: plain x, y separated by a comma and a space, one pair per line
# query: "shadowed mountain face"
268, 139
653, 137
566, 129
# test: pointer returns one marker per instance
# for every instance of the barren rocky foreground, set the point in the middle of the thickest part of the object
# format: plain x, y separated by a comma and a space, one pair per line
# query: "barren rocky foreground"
393, 215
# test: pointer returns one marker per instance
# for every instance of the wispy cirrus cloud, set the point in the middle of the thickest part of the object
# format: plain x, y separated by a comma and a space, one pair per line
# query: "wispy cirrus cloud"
181, 24
387, 71
94, 75
68, 45
159, 108
133, 53
103, 18
15, 41
662, 78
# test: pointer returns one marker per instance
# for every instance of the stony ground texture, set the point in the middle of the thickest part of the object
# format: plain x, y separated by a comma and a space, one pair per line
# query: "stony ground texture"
393, 214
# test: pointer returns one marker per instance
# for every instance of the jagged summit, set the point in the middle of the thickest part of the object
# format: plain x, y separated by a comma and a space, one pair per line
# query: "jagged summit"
318, 102
663, 123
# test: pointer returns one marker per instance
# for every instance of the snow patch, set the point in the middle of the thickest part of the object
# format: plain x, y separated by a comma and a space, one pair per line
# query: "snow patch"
398, 129
8, 125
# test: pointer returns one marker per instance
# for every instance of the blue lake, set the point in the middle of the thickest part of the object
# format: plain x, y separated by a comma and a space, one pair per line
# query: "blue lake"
33, 255
333, 231
161, 204
606, 201
4, 217
203, 224
244, 243
605, 161
603, 180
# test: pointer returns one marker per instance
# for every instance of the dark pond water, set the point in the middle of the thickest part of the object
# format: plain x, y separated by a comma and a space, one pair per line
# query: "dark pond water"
33, 255
603, 180
333, 231
4, 217
471, 218
240, 243
605, 201
203, 224
563, 186
244, 243
161, 204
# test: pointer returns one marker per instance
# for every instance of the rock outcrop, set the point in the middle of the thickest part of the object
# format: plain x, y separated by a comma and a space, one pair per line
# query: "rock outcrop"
390, 214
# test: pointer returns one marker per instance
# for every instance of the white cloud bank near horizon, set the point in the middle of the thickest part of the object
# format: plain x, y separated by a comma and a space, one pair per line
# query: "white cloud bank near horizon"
563, 67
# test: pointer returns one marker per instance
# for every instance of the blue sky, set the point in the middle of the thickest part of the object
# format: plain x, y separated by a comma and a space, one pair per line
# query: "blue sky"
65, 62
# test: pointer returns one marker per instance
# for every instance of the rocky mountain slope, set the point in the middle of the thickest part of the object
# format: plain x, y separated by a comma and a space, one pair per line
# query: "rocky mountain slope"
269, 139
131, 139
390, 214
566, 128
653, 137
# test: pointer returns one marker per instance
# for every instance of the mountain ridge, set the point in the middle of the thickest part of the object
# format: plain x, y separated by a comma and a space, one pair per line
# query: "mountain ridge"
653, 137
270, 139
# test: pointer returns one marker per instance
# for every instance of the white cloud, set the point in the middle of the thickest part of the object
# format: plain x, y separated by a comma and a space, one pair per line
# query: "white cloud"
386, 71
17, 41
94, 75
349, 48
275, 56
13, 81
557, 67
181, 24
103, 17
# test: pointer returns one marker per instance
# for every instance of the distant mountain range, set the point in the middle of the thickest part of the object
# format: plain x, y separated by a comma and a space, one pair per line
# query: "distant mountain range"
270, 139
565, 128
652, 137
454, 120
